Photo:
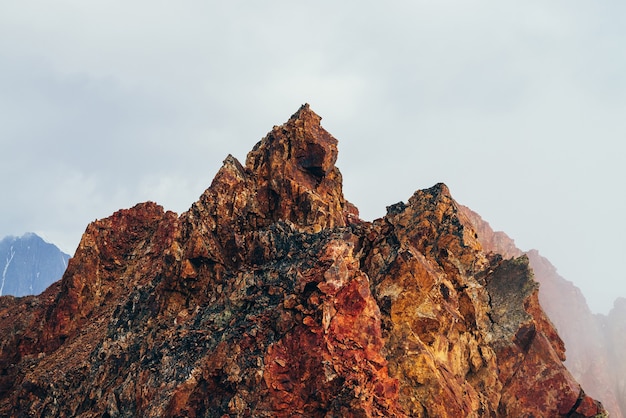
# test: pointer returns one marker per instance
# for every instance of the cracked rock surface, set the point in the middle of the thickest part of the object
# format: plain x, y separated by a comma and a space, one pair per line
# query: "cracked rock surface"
269, 297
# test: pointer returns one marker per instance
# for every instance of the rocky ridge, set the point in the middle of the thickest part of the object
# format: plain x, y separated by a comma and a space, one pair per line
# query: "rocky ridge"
593, 342
270, 297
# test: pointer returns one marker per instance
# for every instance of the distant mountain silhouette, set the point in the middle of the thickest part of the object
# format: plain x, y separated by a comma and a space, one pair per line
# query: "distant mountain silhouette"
28, 265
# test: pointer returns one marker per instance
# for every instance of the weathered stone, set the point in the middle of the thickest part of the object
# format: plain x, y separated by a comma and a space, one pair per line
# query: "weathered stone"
593, 353
270, 298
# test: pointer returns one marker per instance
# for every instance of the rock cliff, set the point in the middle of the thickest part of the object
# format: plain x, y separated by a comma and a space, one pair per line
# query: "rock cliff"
271, 298
593, 355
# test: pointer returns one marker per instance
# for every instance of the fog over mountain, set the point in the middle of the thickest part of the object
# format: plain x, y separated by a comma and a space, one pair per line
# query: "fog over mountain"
517, 107
594, 343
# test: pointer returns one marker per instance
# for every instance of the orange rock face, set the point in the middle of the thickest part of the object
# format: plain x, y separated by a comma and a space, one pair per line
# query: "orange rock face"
593, 342
271, 298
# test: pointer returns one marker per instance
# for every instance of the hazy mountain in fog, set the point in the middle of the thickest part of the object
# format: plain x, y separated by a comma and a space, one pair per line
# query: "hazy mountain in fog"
593, 342
614, 328
28, 265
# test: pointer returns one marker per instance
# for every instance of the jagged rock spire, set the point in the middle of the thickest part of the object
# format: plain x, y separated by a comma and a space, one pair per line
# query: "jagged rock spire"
295, 174
290, 175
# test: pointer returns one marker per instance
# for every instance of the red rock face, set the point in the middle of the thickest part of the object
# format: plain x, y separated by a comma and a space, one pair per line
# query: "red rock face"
270, 298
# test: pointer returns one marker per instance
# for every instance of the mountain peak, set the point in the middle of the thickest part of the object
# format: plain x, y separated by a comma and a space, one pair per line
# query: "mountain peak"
268, 298
301, 147
289, 175
29, 264
305, 111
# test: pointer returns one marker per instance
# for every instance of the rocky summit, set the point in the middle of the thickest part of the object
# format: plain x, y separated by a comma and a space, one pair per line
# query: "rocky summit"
270, 297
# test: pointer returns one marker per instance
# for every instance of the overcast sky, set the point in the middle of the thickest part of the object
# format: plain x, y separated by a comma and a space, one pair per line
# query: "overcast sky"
519, 107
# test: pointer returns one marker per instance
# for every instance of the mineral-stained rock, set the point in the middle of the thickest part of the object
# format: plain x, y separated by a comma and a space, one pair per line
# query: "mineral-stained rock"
594, 342
271, 298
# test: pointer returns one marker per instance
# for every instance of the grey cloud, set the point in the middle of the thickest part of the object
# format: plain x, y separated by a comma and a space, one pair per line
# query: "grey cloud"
517, 107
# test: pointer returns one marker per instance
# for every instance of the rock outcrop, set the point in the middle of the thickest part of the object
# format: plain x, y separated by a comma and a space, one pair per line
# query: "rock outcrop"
593, 342
270, 297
